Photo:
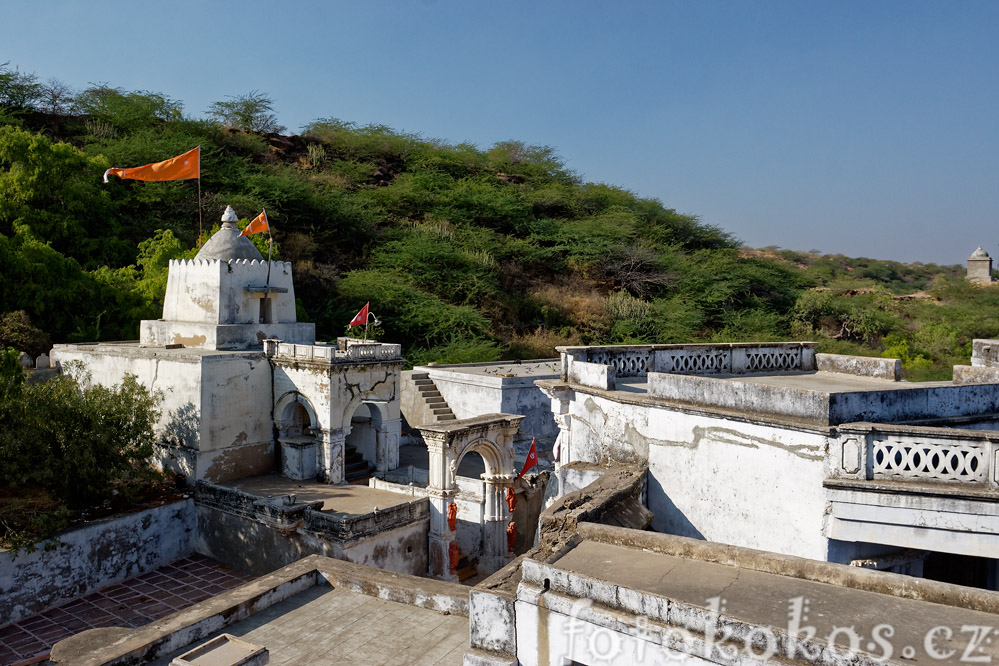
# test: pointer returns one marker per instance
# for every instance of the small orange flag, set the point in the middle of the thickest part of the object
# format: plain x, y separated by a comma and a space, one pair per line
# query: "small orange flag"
181, 167
258, 224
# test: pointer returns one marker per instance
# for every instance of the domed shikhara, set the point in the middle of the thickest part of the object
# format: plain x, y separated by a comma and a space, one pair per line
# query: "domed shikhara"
227, 244
227, 297
979, 254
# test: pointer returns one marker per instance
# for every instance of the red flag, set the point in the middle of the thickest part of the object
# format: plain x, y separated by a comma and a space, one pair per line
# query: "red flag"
361, 318
181, 167
532, 459
258, 224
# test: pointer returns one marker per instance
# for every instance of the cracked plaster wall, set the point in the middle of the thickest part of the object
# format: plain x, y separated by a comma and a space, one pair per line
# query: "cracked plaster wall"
212, 406
736, 482
336, 391
470, 394
93, 556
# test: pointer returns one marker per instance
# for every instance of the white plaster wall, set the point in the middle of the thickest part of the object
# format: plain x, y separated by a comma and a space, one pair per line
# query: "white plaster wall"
192, 291
470, 519
214, 292
336, 391
176, 373
236, 399
548, 638
239, 307
471, 394
535, 406
93, 556
403, 549
741, 483
468, 394
215, 416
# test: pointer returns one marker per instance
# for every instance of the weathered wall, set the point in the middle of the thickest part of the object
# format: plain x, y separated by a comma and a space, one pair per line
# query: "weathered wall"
244, 543
237, 436
94, 555
901, 402
215, 417
471, 394
862, 366
336, 391
713, 478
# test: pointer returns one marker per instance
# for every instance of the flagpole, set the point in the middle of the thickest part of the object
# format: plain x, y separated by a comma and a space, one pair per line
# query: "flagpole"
200, 220
270, 248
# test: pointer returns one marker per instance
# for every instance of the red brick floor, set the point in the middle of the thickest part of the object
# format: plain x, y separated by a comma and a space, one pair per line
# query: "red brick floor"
130, 603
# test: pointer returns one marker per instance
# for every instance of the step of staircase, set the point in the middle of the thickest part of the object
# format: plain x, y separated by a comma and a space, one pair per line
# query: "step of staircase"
356, 469
432, 398
466, 569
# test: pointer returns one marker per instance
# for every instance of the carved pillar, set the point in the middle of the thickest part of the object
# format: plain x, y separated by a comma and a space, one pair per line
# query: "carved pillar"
495, 554
560, 398
564, 423
442, 539
442, 544
330, 454
387, 445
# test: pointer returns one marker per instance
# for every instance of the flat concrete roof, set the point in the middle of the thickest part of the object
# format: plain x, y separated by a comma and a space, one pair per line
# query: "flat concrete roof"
134, 349
325, 626
347, 500
761, 598
823, 382
546, 368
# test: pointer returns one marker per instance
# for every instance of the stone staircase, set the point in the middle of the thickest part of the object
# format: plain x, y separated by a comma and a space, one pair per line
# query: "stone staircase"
356, 469
466, 569
433, 399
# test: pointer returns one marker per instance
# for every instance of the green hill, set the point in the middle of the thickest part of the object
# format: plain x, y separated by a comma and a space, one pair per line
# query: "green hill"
466, 254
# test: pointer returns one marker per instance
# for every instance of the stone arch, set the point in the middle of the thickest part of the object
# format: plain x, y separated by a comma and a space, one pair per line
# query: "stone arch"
297, 444
385, 431
491, 436
497, 459
284, 405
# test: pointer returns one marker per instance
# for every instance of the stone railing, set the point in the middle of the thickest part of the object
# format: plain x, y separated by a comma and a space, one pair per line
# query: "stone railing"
700, 359
346, 527
879, 452
354, 353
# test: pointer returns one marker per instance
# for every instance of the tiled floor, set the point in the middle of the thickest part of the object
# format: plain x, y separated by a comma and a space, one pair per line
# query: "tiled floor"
131, 603
323, 626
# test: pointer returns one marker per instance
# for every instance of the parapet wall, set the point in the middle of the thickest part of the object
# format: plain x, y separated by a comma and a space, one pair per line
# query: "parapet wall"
696, 359
92, 556
214, 292
906, 402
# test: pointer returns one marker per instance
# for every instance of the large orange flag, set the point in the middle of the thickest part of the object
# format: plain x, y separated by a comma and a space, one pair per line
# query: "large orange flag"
181, 167
258, 224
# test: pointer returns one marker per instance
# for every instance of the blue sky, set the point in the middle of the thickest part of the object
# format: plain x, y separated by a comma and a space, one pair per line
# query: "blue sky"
865, 128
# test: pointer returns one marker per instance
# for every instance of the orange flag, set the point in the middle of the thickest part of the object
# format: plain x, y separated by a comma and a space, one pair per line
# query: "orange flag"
181, 167
258, 224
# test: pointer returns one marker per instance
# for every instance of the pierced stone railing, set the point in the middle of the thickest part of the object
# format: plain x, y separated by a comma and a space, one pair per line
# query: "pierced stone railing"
354, 353
699, 359
879, 452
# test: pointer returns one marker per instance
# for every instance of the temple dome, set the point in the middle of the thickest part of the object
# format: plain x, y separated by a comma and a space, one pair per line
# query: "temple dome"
979, 254
227, 244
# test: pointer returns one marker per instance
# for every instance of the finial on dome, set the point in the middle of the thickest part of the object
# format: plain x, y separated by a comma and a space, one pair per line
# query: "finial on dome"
229, 215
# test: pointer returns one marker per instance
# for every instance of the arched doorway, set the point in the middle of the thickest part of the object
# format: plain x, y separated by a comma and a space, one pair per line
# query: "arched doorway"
491, 438
360, 446
296, 422
470, 501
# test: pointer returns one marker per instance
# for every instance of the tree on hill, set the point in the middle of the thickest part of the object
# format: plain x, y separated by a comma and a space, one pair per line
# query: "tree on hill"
250, 112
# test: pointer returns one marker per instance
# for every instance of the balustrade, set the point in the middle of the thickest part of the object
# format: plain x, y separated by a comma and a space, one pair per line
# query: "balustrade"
329, 354
923, 454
